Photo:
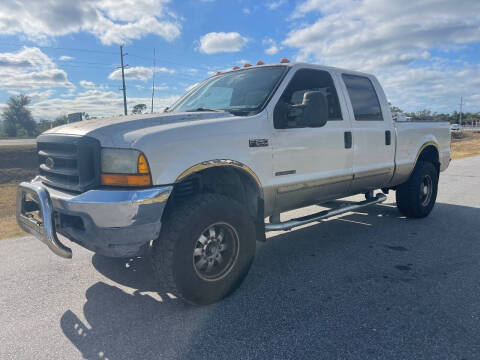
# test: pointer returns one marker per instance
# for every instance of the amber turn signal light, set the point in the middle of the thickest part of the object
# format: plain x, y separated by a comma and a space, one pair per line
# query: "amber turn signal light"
142, 166
126, 180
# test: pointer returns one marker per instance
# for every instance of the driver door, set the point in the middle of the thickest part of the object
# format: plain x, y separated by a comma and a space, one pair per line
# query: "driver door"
310, 164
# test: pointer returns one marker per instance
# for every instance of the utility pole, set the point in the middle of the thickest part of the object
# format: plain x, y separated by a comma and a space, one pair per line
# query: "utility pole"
153, 79
461, 104
123, 80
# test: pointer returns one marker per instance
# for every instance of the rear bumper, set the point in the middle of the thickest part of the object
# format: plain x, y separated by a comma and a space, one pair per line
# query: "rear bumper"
115, 223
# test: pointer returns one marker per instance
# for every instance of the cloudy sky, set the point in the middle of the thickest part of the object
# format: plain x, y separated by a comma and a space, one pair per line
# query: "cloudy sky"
65, 54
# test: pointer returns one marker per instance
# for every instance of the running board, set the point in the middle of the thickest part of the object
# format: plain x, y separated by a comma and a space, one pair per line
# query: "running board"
287, 225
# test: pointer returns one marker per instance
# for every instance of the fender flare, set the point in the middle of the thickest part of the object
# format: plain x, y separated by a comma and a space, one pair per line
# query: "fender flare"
221, 163
423, 147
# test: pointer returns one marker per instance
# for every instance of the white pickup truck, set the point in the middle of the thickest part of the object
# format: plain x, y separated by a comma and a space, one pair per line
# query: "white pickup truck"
194, 185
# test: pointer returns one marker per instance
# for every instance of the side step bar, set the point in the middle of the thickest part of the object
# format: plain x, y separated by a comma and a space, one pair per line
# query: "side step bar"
287, 225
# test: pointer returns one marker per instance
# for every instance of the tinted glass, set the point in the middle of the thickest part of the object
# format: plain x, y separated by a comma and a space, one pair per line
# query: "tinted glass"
241, 90
313, 80
364, 99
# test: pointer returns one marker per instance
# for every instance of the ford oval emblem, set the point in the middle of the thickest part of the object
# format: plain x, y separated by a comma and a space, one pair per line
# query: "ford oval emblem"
50, 163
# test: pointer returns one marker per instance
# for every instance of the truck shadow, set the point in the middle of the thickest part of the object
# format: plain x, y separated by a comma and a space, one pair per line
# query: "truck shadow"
353, 287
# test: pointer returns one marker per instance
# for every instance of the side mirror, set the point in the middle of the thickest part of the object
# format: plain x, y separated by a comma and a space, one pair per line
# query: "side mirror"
312, 112
315, 109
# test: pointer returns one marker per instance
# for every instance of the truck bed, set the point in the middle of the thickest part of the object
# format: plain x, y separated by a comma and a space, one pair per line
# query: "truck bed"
411, 136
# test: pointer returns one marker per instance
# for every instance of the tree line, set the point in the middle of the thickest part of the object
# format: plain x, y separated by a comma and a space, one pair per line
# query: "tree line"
17, 120
468, 118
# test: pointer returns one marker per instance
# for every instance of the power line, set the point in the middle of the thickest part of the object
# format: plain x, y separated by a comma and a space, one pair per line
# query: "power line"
172, 62
61, 48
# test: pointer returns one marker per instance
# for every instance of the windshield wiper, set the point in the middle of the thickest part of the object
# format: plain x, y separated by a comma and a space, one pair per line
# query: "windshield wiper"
204, 109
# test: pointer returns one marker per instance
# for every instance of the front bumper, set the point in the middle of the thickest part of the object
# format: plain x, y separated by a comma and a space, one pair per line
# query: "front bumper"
115, 223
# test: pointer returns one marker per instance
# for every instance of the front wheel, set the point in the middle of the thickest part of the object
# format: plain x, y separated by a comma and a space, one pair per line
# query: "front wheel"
205, 248
416, 197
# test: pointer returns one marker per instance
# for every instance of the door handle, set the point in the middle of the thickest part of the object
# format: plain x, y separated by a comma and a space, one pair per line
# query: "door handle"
347, 137
388, 137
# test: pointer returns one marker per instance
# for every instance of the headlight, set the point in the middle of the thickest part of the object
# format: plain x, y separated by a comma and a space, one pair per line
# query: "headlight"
125, 167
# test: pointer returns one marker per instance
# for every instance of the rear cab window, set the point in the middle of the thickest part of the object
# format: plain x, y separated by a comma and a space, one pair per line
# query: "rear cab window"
363, 97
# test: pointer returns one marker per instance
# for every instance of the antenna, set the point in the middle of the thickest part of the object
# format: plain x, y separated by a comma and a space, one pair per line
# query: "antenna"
153, 79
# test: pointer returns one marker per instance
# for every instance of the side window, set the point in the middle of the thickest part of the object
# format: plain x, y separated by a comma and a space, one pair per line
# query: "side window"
311, 80
363, 97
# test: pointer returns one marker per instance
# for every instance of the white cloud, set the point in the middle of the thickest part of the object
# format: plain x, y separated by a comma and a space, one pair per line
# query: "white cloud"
111, 21
65, 58
438, 89
165, 70
141, 73
134, 73
246, 11
216, 42
272, 48
394, 41
87, 84
275, 4
38, 95
28, 69
95, 103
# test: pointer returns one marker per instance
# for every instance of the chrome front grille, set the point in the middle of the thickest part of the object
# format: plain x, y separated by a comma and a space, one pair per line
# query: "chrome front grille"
69, 162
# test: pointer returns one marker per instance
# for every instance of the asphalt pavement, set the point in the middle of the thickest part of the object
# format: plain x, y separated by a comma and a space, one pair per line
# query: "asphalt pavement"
367, 285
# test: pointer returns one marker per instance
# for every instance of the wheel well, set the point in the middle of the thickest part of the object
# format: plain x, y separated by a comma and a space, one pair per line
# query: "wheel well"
430, 154
226, 180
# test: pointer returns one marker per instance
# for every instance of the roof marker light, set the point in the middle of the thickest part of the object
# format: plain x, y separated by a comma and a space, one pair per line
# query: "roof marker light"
235, 67
284, 60
218, 73
260, 62
247, 65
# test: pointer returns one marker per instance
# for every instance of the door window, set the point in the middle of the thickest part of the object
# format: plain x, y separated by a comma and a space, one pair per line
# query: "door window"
363, 97
310, 80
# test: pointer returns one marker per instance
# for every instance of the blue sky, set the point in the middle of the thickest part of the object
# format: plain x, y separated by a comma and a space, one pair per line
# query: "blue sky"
64, 54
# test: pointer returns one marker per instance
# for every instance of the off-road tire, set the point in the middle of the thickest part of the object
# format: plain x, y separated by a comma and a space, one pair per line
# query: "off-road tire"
411, 201
172, 253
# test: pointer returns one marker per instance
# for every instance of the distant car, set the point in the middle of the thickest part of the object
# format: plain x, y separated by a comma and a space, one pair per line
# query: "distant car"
454, 127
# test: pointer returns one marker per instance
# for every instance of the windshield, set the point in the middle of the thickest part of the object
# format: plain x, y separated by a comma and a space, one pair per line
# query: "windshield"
238, 91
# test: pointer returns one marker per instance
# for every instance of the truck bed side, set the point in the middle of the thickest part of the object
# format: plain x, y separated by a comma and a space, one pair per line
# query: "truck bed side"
412, 137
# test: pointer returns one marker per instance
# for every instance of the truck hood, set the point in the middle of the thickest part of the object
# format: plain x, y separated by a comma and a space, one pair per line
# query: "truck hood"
114, 131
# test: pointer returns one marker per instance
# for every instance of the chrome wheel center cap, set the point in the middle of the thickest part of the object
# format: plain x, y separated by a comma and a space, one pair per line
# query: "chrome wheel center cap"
211, 249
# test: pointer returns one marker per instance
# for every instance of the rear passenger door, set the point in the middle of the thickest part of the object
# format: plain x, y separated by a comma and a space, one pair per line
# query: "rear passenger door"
372, 133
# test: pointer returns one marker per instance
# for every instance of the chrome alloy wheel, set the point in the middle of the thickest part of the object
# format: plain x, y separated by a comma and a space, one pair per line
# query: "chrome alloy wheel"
216, 251
426, 190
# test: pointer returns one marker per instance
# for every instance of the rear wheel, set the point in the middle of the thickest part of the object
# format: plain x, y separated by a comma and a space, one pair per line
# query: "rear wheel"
205, 248
416, 197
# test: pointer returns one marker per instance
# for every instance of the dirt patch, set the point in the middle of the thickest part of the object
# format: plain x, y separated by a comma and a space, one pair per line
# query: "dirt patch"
17, 163
465, 145
8, 223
